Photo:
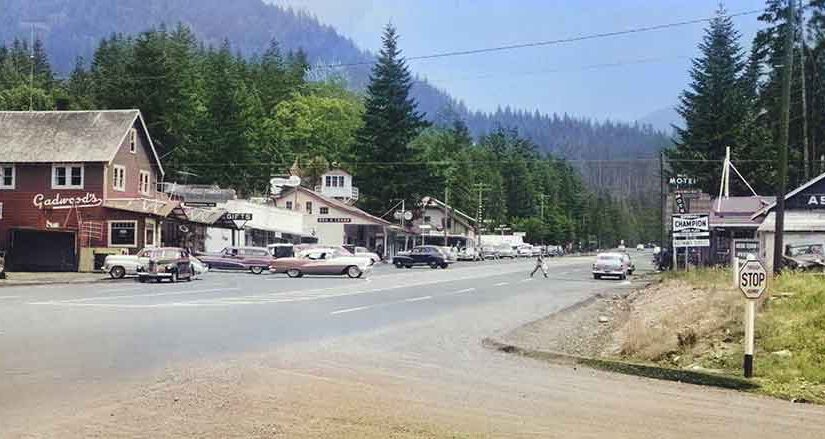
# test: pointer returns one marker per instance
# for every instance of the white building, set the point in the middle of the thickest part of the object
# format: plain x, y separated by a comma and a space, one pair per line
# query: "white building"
337, 184
268, 224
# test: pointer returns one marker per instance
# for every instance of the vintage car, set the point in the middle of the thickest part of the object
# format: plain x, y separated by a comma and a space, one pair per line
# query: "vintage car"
506, 251
429, 255
118, 266
806, 257
524, 251
322, 261
166, 263
254, 259
469, 254
612, 264
281, 250
363, 251
489, 252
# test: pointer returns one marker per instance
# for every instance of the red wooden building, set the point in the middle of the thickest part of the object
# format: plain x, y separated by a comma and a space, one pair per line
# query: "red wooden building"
76, 185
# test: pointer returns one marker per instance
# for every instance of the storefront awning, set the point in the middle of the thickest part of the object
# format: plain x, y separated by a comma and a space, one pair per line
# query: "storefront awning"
161, 208
201, 215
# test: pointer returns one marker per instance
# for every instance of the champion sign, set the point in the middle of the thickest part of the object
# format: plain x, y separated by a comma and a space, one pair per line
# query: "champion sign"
40, 201
690, 223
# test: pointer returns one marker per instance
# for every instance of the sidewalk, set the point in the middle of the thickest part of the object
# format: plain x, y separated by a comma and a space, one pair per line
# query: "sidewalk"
21, 278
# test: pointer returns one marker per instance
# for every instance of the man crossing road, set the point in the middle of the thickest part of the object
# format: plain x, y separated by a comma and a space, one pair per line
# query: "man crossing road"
540, 265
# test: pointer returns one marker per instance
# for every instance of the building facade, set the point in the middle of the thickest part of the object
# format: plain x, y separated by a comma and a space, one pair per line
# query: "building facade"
75, 186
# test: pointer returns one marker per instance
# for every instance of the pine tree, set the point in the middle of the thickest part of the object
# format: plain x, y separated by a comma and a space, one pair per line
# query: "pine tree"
390, 123
715, 108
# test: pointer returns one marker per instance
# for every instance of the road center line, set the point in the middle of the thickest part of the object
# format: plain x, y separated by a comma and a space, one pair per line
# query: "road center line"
466, 290
417, 299
9, 297
526, 280
344, 311
501, 284
135, 296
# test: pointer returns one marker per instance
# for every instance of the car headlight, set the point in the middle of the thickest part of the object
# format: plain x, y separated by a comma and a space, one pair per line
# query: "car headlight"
170, 267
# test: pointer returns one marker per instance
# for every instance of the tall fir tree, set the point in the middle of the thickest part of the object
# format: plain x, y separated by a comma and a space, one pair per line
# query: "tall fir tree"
716, 106
391, 121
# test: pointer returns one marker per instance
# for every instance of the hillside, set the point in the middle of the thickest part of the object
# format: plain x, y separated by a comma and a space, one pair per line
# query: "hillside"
72, 28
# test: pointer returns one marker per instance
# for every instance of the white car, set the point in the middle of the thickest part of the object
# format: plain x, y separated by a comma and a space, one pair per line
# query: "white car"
524, 251
640, 247
364, 252
612, 264
118, 266
198, 267
469, 254
506, 251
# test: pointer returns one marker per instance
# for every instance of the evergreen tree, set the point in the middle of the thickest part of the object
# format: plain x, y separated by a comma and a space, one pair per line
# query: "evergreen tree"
390, 123
716, 108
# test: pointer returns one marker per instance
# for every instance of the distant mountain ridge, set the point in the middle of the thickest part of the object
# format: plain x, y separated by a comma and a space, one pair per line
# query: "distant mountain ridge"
72, 28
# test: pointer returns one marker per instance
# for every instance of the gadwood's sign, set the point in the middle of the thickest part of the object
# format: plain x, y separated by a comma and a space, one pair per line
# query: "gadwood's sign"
57, 201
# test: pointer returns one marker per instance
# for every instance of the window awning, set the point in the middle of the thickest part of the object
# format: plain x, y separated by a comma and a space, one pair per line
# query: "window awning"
161, 208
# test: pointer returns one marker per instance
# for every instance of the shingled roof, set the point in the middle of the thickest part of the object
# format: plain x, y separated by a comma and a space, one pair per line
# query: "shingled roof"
66, 136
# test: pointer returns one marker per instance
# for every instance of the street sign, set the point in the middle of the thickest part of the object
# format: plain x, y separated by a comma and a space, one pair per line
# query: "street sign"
691, 223
680, 243
753, 279
680, 202
691, 235
232, 216
744, 247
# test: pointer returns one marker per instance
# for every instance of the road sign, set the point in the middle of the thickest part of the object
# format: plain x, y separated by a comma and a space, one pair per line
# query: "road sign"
691, 235
744, 247
680, 243
753, 279
691, 223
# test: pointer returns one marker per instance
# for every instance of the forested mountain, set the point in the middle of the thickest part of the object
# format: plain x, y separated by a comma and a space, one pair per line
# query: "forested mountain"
72, 28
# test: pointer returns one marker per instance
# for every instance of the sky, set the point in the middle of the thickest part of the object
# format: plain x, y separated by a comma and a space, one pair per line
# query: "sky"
620, 78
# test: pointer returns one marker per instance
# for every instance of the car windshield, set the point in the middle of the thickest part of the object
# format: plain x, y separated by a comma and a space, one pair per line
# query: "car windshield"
164, 254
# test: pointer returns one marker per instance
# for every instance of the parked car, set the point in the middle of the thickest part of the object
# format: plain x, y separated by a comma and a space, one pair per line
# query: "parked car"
254, 259
524, 251
198, 267
489, 252
538, 250
363, 251
611, 264
429, 255
506, 251
166, 263
118, 266
806, 257
469, 254
281, 250
622, 247
450, 252
322, 261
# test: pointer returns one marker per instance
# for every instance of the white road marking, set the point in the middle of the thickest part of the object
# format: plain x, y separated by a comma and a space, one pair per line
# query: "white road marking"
526, 280
466, 290
344, 311
9, 297
134, 296
501, 284
417, 299
627, 282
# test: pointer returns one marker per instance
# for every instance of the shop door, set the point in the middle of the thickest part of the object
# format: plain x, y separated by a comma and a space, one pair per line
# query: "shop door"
36, 250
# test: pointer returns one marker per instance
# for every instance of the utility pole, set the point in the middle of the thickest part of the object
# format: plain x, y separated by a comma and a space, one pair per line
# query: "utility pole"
806, 155
779, 228
31, 75
662, 200
480, 187
446, 212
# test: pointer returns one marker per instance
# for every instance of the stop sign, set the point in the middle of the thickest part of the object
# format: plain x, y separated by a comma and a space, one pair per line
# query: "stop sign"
753, 279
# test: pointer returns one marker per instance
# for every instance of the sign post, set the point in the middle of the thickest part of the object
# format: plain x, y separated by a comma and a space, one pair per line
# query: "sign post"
753, 280
689, 230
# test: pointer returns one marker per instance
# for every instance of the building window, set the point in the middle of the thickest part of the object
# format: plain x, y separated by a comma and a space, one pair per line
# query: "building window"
341, 181
145, 183
427, 219
119, 178
133, 141
6, 177
67, 177
289, 205
149, 233
309, 207
122, 234
323, 210
328, 181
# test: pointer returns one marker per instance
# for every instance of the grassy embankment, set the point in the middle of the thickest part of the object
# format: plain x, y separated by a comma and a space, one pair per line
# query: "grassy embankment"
694, 322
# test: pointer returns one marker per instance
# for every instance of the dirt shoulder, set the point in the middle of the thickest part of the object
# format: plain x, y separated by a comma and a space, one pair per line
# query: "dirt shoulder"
692, 322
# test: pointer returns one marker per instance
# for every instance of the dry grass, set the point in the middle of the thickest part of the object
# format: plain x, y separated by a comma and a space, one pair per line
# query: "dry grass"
675, 318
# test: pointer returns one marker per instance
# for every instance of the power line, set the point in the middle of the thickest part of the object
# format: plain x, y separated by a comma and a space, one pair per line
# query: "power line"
554, 42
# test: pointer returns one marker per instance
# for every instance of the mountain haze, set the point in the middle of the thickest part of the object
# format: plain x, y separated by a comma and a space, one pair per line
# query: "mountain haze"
74, 28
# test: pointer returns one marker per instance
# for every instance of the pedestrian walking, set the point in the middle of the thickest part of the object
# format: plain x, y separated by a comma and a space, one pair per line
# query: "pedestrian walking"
540, 264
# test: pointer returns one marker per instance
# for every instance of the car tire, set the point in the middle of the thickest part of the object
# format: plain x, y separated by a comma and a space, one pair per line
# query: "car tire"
597, 276
623, 277
408, 266
141, 279
256, 270
174, 277
354, 272
434, 265
117, 272
191, 273
399, 265
445, 265
294, 272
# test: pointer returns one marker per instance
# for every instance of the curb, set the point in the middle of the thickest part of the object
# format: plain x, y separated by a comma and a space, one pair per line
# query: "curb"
627, 368
23, 283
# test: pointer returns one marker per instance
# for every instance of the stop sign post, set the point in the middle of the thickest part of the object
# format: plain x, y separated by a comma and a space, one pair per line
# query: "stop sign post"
752, 280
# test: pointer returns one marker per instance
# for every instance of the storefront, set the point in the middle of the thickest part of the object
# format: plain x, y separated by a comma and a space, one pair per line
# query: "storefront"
75, 186
731, 221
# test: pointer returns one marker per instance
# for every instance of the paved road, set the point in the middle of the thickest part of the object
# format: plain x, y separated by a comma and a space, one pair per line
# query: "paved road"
417, 330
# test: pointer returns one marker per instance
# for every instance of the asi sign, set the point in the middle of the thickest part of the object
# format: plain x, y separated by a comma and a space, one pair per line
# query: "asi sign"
691, 223
753, 279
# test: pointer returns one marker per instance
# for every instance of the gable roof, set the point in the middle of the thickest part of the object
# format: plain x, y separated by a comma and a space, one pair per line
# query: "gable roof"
337, 204
790, 194
432, 202
67, 136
